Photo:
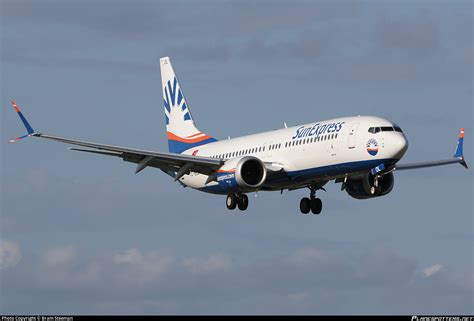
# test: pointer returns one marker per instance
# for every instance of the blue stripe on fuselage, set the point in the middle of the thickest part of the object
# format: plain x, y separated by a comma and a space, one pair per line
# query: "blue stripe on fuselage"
314, 173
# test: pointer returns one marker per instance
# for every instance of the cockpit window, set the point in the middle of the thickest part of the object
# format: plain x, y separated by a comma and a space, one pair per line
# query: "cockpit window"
374, 130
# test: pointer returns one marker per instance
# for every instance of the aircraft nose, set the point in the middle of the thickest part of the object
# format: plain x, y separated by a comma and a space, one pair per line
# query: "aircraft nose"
400, 145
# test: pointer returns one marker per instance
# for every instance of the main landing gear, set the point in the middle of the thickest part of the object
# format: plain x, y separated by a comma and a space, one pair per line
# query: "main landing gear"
237, 200
313, 204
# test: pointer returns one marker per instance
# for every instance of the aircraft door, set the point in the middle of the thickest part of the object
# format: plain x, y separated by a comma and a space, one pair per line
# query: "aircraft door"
352, 134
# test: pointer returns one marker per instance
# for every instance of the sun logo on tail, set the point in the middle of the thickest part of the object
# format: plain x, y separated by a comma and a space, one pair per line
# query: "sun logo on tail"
176, 109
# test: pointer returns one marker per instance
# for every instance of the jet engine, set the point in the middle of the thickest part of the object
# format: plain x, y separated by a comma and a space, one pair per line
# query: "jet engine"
369, 186
245, 174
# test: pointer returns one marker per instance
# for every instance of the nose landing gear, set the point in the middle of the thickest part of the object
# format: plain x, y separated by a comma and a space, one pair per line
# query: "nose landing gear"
313, 204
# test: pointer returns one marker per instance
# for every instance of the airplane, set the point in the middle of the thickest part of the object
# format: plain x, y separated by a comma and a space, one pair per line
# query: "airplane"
361, 153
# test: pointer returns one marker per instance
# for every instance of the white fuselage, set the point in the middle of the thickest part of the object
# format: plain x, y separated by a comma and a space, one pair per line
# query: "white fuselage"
315, 151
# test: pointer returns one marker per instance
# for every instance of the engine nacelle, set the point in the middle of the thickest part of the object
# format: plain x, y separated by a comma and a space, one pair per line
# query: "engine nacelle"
366, 187
245, 174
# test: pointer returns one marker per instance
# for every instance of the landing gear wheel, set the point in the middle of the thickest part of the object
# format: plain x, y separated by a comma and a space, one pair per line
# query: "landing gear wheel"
231, 202
243, 202
305, 205
316, 205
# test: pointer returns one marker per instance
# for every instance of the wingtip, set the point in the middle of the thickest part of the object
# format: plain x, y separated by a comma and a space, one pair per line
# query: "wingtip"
459, 147
17, 109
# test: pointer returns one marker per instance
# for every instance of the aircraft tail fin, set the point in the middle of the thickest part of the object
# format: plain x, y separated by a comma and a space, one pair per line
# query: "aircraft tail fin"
181, 129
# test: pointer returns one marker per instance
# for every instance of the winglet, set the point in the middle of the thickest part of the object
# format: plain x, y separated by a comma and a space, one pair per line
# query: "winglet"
459, 149
27, 125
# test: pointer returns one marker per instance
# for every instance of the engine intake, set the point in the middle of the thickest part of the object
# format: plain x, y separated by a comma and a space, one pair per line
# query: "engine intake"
242, 174
367, 187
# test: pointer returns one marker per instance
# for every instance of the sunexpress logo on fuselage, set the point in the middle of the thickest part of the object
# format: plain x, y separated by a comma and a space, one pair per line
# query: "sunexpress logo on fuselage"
317, 130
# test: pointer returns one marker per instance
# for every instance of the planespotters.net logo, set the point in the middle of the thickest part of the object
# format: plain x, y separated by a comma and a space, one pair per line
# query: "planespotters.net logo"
432, 318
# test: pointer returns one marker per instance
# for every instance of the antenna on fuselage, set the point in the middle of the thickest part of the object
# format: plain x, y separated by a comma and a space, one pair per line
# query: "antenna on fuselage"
286, 126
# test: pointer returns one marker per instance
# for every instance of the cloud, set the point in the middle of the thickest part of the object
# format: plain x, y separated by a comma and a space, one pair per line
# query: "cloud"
309, 256
131, 256
10, 254
139, 267
180, 20
410, 36
213, 263
380, 266
308, 45
59, 256
304, 280
204, 50
432, 270
198, 32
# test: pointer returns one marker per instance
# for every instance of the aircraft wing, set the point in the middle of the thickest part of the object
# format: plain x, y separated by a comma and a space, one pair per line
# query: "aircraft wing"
458, 158
170, 163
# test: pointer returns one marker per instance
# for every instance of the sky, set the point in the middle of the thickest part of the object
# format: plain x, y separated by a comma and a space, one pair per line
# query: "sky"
82, 234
